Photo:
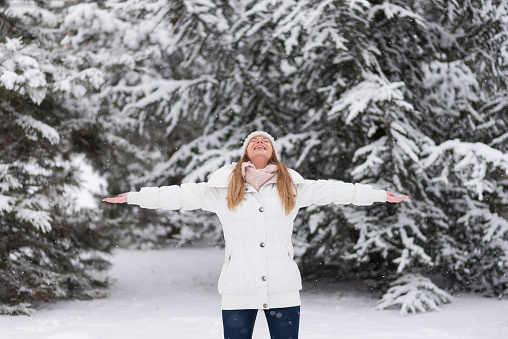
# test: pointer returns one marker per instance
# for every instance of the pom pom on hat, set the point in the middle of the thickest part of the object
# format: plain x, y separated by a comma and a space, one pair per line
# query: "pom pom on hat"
256, 134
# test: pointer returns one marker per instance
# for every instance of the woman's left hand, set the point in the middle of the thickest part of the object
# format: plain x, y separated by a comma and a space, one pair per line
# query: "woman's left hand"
392, 198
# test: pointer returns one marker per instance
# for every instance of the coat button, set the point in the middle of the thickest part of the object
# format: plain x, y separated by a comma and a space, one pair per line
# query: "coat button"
262, 244
261, 209
265, 305
263, 278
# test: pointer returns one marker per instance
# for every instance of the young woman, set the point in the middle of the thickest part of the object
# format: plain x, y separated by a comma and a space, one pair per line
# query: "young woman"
257, 200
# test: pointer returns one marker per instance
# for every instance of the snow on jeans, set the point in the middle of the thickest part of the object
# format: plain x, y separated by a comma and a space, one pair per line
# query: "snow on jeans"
283, 322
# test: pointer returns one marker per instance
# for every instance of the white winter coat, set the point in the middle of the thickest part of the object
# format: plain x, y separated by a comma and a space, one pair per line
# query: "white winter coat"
259, 270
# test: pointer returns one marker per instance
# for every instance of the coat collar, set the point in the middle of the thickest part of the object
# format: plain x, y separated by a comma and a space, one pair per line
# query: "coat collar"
220, 178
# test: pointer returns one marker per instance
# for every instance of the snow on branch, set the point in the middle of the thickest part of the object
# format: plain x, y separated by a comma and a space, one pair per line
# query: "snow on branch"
152, 91
371, 239
372, 89
414, 293
208, 13
471, 162
411, 250
391, 10
356, 4
373, 162
296, 19
499, 140
404, 136
498, 227
78, 82
7, 180
19, 309
319, 37
5, 204
289, 142
88, 19
453, 84
20, 71
300, 19
41, 220
31, 125
495, 226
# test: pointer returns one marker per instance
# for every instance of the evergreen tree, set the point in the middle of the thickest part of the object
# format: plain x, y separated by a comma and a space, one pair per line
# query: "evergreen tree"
49, 249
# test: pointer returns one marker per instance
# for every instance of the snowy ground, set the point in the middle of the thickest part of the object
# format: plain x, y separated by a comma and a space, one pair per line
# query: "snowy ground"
172, 294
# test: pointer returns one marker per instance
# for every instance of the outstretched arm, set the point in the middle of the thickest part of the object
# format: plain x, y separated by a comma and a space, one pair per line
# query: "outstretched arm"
392, 198
120, 199
322, 192
186, 196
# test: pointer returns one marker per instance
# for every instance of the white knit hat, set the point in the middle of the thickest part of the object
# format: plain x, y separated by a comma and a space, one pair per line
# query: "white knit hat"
255, 134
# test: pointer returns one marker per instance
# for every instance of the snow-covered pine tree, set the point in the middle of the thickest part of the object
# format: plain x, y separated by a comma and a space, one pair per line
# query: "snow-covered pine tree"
48, 249
446, 227
466, 169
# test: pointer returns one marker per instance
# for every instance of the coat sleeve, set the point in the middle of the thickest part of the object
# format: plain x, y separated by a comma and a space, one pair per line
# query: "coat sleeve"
187, 197
323, 192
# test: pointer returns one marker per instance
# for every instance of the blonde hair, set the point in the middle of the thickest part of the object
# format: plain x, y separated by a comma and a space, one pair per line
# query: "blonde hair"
285, 185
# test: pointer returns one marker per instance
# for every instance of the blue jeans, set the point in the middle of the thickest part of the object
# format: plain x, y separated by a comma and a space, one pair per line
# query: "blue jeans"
283, 323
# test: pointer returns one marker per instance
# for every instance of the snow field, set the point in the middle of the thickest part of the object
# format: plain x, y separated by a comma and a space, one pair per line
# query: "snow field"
172, 293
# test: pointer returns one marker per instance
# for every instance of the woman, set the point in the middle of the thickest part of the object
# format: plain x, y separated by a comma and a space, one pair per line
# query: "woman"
257, 200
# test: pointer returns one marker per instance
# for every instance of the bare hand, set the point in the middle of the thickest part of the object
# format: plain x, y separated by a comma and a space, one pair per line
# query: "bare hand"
392, 198
120, 199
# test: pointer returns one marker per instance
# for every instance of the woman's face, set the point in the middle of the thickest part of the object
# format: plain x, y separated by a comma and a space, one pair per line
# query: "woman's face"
259, 148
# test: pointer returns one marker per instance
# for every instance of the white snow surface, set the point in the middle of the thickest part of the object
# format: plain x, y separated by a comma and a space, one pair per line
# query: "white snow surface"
172, 293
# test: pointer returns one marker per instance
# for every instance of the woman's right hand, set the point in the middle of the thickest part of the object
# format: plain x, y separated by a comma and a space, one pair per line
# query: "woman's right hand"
120, 199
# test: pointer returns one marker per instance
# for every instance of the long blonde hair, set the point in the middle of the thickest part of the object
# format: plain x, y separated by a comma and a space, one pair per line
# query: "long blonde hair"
285, 185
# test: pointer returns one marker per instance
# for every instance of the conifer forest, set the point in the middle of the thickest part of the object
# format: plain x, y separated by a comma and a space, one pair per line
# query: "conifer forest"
407, 96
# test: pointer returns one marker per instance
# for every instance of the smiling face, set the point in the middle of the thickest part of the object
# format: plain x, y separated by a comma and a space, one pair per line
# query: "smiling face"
259, 151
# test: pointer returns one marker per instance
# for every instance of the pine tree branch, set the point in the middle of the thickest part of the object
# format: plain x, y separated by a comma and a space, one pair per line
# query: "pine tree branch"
265, 98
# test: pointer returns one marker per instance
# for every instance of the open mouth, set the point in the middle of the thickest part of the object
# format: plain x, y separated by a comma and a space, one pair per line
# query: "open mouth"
260, 147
